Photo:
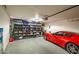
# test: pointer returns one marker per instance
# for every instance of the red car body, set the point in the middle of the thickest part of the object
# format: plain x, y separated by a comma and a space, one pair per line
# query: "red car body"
62, 40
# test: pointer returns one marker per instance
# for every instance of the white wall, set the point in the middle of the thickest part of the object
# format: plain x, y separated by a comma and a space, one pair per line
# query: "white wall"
4, 23
58, 23
64, 26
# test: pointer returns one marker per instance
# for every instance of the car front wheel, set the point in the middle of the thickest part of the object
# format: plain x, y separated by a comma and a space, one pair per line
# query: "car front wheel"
72, 48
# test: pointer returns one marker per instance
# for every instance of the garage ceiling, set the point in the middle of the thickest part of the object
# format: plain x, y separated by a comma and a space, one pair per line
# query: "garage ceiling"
71, 14
29, 11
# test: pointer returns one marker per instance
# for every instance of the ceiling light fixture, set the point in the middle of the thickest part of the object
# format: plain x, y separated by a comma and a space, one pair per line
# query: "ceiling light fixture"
37, 18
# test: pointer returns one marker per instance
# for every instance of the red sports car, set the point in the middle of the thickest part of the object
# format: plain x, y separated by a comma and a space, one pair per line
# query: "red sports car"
65, 39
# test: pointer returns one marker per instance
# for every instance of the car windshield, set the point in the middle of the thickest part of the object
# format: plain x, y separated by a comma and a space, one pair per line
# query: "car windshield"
68, 34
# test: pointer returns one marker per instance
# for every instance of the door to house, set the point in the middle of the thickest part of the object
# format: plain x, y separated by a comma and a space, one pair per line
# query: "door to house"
1, 34
1, 38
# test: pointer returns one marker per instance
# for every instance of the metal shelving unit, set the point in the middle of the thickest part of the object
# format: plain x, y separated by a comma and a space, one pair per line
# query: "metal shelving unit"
24, 29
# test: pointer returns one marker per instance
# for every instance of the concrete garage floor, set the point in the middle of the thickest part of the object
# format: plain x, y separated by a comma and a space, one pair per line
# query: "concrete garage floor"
34, 46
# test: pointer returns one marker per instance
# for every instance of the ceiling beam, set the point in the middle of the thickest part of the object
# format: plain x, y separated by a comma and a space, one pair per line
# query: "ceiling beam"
5, 8
46, 18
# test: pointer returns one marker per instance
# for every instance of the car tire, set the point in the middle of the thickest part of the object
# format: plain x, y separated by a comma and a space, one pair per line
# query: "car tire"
72, 48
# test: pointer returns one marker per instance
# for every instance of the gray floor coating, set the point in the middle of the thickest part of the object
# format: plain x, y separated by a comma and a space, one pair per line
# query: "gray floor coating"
34, 46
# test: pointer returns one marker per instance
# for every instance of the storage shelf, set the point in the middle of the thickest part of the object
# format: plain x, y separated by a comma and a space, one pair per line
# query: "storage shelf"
24, 28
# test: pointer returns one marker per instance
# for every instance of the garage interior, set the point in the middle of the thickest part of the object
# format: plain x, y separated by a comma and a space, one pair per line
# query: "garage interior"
44, 18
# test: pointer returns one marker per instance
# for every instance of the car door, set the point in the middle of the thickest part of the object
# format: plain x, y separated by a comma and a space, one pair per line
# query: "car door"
58, 38
55, 37
62, 38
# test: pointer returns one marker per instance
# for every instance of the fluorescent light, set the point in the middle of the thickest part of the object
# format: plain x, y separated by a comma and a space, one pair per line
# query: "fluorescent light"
37, 18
